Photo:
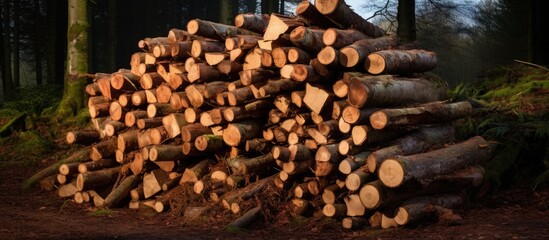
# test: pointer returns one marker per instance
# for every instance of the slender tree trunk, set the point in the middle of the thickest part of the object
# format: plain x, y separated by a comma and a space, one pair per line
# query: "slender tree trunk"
77, 59
7, 82
282, 7
251, 6
38, 43
2, 65
226, 12
269, 6
112, 40
16, 63
406, 18
539, 21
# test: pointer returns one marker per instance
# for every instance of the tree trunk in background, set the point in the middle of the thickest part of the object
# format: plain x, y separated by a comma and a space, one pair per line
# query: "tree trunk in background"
539, 22
406, 18
16, 63
282, 7
38, 43
77, 59
269, 6
226, 11
55, 40
7, 82
112, 40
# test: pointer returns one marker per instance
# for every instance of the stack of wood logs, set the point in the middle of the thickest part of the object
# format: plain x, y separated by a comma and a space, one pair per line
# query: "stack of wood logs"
324, 106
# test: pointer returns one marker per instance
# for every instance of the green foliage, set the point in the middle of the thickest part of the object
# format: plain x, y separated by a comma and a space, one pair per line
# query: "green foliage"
25, 149
512, 110
34, 100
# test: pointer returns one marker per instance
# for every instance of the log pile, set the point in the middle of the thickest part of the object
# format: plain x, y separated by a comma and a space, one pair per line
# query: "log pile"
297, 103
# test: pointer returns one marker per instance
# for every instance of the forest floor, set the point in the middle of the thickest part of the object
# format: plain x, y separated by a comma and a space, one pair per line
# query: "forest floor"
516, 213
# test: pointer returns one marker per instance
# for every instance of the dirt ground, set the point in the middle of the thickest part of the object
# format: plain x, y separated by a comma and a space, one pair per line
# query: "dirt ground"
512, 214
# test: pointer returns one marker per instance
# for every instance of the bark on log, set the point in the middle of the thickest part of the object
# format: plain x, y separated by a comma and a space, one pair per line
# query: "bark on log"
308, 13
96, 165
152, 182
395, 171
356, 53
202, 72
338, 38
250, 110
308, 39
339, 12
331, 193
245, 220
237, 133
254, 22
256, 166
354, 223
415, 142
103, 149
251, 76
209, 143
82, 137
165, 153
335, 210
352, 163
92, 180
400, 61
215, 30
201, 47
416, 209
190, 132
387, 90
178, 35
191, 175
121, 192
146, 123
280, 24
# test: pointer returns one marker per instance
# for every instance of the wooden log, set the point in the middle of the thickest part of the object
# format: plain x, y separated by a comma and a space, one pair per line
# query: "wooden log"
352, 163
124, 81
229, 67
214, 58
397, 170
267, 60
257, 75
92, 180
356, 53
286, 71
99, 110
215, 30
375, 194
150, 80
298, 206
173, 123
245, 220
339, 12
190, 132
317, 136
206, 119
92, 89
400, 61
354, 205
236, 55
152, 182
209, 143
308, 39
338, 38
82, 137
415, 142
353, 115
202, 72
316, 98
305, 73
250, 110
308, 13
146, 123
335, 210
417, 209
131, 118
121, 192
158, 135
280, 24
251, 21
237, 133
437, 112
280, 56
148, 44
117, 112
329, 56
139, 98
165, 153
178, 35
357, 178
67, 190
181, 49
298, 56
354, 223
201, 47
103, 149
199, 170
128, 141
375, 91
96, 165
261, 165
331, 193
179, 100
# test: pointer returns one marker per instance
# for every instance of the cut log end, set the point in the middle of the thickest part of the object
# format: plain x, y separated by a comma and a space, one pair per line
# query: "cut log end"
369, 196
192, 26
376, 64
232, 136
391, 173
327, 55
353, 182
349, 57
379, 120
402, 216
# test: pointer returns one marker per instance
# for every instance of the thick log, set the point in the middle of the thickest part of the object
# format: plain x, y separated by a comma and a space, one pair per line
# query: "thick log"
301, 191
259, 145
329, 56
280, 56
120, 192
400, 61
286, 71
267, 60
354, 205
103, 149
353, 115
306, 73
202, 72
82, 137
177, 80
96, 165
250, 110
280, 24
338, 38
131, 118
375, 194
358, 178
150, 80
173, 123
126, 81
387, 90
298, 56
165, 153
395, 171
67, 190
254, 22
179, 100
214, 58
248, 77
158, 135
229, 67
92, 180
117, 112
236, 55
356, 53
416, 142
148, 44
201, 47
99, 110
437, 112
308, 13
240, 96
354, 223
331, 193
139, 98
339, 12
92, 89
127, 141
308, 39
215, 30
181, 49
261, 165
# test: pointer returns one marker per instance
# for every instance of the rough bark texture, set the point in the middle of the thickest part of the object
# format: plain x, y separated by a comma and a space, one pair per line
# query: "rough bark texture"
339, 12
400, 61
